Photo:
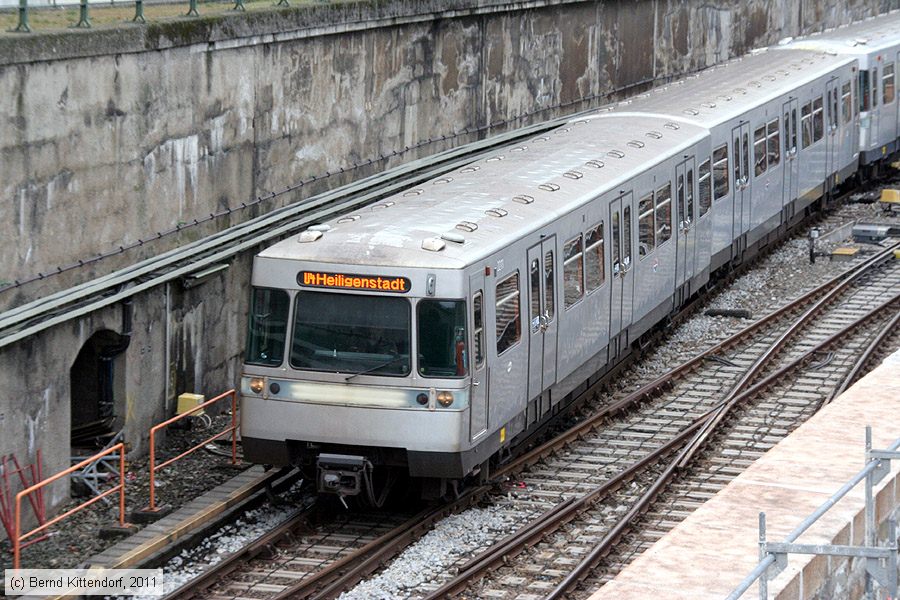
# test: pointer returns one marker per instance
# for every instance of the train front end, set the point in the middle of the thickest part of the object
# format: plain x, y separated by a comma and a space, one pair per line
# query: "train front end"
356, 374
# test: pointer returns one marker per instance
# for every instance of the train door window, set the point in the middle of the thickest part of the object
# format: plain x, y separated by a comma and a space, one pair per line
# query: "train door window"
690, 195
887, 83
646, 226
806, 124
616, 258
679, 192
864, 95
773, 132
535, 274
874, 86
593, 257
267, 327
856, 105
745, 150
705, 183
846, 103
550, 307
794, 129
818, 119
509, 329
573, 270
442, 338
478, 328
663, 214
833, 109
626, 237
759, 151
737, 160
720, 171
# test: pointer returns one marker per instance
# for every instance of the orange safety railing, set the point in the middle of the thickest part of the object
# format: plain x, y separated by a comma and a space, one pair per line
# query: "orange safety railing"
230, 429
18, 537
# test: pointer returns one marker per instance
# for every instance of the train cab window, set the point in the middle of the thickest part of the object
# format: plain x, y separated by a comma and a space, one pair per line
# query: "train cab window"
864, 94
773, 143
846, 103
549, 306
573, 271
759, 151
720, 171
509, 329
705, 183
646, 226
806, 124
442, 338
818, 120
267, 327
593, 257
534, 273
663, 214
888, 85
351, 333
478, 328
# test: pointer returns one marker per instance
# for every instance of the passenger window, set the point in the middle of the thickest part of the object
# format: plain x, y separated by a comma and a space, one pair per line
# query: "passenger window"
690, 195
887, 82
646, 226
806, 124
478, 327
846, 103
593, 252
863, 91
720, 171
774, 143
535, 273
548, 285
573, 271
818, 120
705, 184
626, 239
663, 214
508, 323
759, 150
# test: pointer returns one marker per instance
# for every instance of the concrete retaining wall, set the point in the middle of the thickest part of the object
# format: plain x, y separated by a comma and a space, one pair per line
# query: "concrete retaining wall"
110, 135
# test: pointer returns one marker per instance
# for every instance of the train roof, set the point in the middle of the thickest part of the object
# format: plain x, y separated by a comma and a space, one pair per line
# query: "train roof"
720, 93
488, 204
860, 38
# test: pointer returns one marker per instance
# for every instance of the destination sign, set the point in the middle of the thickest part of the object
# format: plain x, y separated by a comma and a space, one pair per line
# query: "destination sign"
347, 281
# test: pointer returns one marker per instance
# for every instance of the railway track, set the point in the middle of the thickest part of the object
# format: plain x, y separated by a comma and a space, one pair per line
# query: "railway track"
628, 446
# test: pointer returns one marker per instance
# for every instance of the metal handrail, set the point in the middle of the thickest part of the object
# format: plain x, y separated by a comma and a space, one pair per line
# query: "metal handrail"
769, 560
230, 429
19, 537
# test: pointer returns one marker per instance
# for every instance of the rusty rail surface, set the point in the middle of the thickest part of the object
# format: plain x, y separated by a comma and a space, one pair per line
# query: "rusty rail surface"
19, 537
232, 429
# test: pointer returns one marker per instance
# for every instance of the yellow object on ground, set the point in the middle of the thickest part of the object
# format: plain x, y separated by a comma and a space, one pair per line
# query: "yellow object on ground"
844, 253
188, 401
891, 196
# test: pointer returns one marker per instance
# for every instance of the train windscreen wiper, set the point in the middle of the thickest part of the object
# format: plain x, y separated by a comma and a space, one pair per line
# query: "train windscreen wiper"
376, 367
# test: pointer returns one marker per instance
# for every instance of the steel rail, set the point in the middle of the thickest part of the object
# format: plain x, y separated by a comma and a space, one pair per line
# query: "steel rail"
864, 358
680, 463
120, 285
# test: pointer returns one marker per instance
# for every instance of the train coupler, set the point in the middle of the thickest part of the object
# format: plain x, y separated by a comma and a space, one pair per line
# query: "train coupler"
341, 474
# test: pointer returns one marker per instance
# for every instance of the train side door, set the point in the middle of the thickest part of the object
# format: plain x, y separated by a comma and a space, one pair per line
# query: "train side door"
686, 230
740, 136
791, 164
622, 288
478, 392
831, 139
541, 316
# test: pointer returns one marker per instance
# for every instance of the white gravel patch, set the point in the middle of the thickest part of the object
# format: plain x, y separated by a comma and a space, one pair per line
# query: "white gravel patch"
455, 539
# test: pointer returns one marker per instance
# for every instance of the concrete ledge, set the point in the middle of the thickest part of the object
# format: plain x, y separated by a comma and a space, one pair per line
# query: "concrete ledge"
710, 552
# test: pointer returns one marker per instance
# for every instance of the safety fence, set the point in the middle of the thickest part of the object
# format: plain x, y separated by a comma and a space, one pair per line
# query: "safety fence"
84, 14
18, 537
232, 429
881, 560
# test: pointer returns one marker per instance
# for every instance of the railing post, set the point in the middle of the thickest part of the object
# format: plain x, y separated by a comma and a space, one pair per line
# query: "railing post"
763, 580
122, 487
234, 427
139, 12
869, 539
153, 465
17, 533
23, 26
84, 20
192, 11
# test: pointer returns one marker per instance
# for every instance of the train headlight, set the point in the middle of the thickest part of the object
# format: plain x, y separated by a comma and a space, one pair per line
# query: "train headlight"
257, 384
445, 399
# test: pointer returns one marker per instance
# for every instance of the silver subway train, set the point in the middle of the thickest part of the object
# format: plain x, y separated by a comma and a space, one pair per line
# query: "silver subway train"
428, 332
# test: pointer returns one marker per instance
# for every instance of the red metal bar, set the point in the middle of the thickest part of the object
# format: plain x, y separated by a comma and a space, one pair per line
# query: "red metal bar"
232, 429
18, 537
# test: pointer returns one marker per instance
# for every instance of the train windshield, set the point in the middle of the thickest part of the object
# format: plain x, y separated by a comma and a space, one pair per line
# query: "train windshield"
442, 338
345, 333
